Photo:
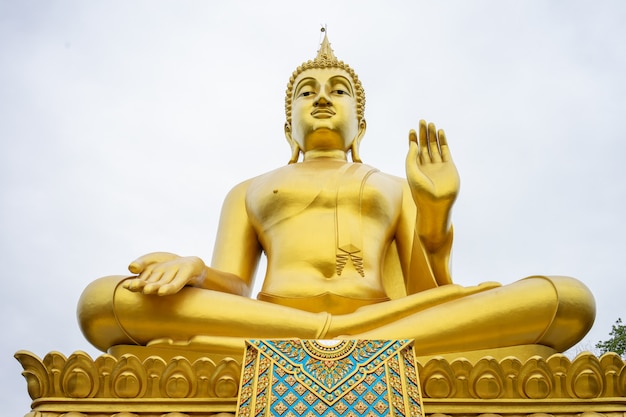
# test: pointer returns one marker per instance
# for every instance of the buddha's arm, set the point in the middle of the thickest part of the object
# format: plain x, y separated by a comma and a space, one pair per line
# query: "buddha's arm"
434, 183
165, 273
237, 249
234, 260
423, 266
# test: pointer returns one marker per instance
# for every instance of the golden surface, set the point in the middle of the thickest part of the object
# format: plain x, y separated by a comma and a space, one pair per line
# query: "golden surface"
351, 252
153, 386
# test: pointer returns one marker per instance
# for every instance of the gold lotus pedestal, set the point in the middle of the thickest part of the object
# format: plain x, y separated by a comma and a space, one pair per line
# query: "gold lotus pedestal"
164, 382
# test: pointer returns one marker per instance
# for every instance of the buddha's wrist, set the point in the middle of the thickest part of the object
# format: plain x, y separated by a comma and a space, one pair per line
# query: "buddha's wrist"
198, 279
433, 231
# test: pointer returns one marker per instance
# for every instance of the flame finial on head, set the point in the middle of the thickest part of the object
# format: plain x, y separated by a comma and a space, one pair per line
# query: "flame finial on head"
326, 59
325, 53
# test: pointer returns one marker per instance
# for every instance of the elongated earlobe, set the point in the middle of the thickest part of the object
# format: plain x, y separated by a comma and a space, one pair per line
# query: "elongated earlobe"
295, 148
295, 153
354, 148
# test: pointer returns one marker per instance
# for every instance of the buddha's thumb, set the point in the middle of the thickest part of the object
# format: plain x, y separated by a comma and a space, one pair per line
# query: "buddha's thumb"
135, 267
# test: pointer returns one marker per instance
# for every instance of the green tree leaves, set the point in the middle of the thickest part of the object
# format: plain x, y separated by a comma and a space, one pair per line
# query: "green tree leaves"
617, 342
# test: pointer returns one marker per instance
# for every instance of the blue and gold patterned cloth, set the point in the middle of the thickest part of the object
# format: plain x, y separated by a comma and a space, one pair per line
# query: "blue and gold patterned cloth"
332, 378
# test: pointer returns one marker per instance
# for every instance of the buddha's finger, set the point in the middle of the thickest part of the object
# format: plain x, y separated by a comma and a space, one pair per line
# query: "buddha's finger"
443, 145
135, 267
152, 282
412, 154
175, 285
433, 148
139, 281
153, 273
139, 264
134, 284
164, 281
423, 143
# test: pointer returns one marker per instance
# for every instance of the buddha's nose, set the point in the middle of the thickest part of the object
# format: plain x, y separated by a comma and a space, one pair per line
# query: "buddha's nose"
322, 100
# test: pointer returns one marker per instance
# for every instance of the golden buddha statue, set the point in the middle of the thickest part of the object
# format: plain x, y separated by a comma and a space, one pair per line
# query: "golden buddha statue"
351, 252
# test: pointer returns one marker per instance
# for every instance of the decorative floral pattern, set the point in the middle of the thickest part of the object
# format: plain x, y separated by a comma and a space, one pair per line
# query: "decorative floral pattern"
345, 379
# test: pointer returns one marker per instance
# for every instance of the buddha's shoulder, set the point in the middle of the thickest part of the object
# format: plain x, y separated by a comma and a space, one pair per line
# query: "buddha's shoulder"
239, 191
392, 178
294, 170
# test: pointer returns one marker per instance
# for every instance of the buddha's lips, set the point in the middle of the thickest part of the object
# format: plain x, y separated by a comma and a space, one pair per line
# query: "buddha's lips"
322, 112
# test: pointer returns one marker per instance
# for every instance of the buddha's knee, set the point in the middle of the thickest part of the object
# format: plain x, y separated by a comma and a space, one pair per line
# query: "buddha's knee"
574, 314
97, 316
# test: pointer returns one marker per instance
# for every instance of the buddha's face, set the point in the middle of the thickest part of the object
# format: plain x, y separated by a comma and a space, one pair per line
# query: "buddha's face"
324, 111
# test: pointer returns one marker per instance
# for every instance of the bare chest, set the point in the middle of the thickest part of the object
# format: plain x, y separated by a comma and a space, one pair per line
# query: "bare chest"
344, 189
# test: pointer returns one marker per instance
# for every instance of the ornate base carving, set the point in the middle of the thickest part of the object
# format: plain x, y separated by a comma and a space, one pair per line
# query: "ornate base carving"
177, 386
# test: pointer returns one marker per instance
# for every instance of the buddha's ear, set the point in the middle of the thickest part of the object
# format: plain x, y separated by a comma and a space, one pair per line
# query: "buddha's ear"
354, 149
295, 148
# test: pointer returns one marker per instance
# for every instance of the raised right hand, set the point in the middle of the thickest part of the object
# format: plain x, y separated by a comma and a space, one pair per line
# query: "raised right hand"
430, 171
164, 273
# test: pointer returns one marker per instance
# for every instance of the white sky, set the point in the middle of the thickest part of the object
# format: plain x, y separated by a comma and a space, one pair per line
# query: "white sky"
123, 124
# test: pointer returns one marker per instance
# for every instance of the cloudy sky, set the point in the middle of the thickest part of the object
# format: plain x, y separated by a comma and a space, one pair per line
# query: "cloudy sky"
123, 124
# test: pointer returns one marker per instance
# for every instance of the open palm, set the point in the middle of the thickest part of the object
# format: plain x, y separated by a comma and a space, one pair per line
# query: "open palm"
432, 176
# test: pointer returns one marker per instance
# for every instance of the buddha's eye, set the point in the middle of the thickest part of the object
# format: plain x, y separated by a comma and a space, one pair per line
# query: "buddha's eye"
341, 91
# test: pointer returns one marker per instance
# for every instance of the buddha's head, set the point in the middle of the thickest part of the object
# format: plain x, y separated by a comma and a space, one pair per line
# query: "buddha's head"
324, 105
